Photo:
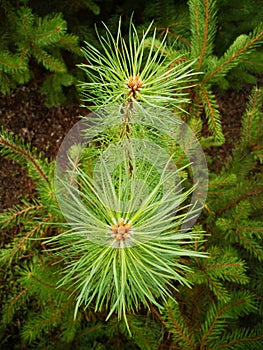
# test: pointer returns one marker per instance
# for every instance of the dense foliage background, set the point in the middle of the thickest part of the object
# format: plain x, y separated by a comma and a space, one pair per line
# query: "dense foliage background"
40, 50
46, 47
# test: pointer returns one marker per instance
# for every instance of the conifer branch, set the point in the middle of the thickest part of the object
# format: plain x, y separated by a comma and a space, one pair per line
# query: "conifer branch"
213, 116
217, 316
11, 62
216, 266
29, 234
250, 115
31, 275
241, 341
24, 211
205, 35
178, 328
51, 318
13, 302
254, 229
256, 98
233, 203
69, 42
48, 61
214, 287
27, 155
233, 57
117, 245
177, 37
247, 243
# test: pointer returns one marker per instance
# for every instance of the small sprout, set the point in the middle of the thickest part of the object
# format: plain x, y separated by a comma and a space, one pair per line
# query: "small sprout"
134, 84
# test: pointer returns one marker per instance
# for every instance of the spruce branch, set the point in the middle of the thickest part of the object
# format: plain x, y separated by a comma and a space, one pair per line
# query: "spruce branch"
34, 328
42, 38
11, 146
240, 304
212, 113
12, 69
48, 285
49, 30
49, 62
241, 47
205, 36
12, 305
176, 323
251, 193
249, 239
69, 42
145, 332
28, 235
203, 29
11, 62
251, 339
225, 265
14, 215
252, 126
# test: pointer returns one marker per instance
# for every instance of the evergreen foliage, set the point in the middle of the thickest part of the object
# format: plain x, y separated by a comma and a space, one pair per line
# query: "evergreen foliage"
29, 38
193, 34
173, 288
59, 57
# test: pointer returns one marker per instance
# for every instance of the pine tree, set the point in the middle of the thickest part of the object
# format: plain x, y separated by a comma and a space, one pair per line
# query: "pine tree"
159, 282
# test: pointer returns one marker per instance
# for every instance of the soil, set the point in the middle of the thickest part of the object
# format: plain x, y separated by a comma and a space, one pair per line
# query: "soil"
24, 113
